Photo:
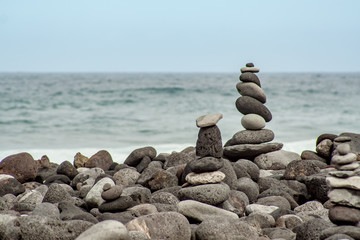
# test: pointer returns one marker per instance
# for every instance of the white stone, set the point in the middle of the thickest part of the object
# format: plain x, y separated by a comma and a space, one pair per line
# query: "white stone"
5, 177
249, 69
93, 198
205, 178
258, 208
208, 120
105, 230
351, 182
345, 197
201, 211
253, 122
343, 159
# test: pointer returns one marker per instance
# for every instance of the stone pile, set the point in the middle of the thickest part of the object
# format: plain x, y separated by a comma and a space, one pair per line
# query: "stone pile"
203, 172
254, 140
344, 184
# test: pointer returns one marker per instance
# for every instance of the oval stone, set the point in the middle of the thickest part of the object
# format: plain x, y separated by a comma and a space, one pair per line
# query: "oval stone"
252, 137
253, 122
252, 90
250, 77
246, 105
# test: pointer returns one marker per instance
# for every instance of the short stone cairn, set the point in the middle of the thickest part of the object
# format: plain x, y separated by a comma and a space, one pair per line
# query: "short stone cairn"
254, 140
344, 186
204, 177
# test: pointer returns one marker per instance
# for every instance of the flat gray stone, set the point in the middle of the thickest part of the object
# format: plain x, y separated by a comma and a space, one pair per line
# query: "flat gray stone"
345, 197
206, 164
251, 137
250, 151
249, 69
201, 211
344, 159
213, 194
208, 120
276, 160
350, 182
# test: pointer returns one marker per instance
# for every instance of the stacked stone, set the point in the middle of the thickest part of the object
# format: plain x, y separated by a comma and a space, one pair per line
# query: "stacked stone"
255, 140
344, 187
204, 177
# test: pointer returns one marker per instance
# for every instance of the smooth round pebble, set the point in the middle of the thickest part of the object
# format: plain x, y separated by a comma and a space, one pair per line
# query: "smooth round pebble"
253, 122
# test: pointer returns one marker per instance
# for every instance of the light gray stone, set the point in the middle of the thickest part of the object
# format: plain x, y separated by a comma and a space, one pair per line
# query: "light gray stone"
351, 182
253, 121
213, 194
105, 230
343, 159
201, 211
257, 208
345, 197
343, 148
249, 69
348, 167
208, 120
93, 198
163, 225
276, 160
205, 178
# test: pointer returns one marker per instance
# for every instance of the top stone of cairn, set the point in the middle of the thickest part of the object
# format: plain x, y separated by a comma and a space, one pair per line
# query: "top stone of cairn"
208, 120
249, 68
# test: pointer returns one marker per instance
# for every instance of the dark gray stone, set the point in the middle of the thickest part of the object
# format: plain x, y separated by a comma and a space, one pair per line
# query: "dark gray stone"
249, 187
250, 167
144, 163
246, 105
251, 137
236, 203
299, 168
277, 201
206, 164
72, 212
279, 233
120, 204
42, 228
250, 77
251, 90
311, 155
176, 159
212, 194
138, 154
209, 142
138, 194
66, 168
281, 190
317, 187
250, 151
11, 186
57, 178
351, 231
325, 136
123, 217
113, 193
311, 230
56, 193
341, 215
164, 197
230, 175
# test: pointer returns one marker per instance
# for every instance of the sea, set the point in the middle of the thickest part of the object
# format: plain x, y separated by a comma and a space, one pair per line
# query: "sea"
60, 114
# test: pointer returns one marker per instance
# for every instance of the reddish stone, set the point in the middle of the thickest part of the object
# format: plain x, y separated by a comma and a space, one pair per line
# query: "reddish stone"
102, 159
22, 166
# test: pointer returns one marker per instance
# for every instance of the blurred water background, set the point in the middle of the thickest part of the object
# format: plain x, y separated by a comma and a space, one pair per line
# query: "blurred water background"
60, 114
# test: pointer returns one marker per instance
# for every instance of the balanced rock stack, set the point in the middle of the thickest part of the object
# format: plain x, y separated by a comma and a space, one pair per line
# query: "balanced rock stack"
204, 177
255, 140
344, 187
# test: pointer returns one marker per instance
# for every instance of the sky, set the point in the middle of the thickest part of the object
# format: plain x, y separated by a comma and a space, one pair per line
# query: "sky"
179, 36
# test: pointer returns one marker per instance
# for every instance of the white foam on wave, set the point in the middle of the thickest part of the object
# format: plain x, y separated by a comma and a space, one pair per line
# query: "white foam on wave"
300, 146
58, 155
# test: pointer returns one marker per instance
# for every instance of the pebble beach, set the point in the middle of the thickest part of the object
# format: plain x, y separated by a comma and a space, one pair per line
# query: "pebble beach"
244, 187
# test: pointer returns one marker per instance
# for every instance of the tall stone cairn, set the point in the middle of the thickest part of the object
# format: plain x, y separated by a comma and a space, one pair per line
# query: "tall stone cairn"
255, 139
344, 184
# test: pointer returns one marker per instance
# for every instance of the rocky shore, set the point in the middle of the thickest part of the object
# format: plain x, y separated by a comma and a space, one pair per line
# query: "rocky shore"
247, 189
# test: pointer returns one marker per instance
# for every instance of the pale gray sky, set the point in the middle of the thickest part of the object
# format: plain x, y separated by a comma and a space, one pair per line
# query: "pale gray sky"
179, 36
